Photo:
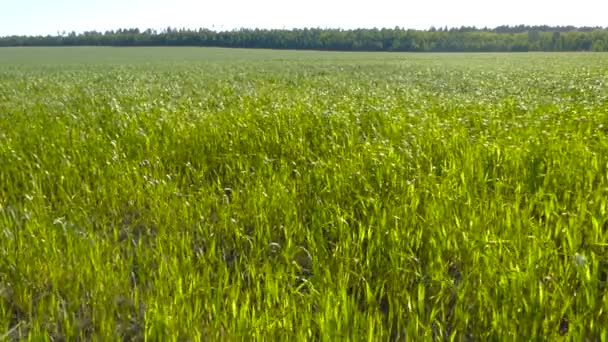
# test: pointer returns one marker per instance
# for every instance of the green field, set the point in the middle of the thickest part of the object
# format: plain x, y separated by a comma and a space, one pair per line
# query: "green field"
186, 194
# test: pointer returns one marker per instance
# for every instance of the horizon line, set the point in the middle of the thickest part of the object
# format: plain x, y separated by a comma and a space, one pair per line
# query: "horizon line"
61, 33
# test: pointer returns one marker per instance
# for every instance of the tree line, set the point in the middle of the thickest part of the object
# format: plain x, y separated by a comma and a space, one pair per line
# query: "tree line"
463, 39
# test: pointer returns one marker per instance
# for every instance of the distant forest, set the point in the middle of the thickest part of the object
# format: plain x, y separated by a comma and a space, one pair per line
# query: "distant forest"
463, 39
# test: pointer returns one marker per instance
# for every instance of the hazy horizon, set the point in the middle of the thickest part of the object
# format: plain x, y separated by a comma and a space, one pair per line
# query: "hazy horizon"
37, 17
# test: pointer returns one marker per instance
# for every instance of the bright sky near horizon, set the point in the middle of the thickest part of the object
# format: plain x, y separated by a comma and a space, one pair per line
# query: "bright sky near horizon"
42, 17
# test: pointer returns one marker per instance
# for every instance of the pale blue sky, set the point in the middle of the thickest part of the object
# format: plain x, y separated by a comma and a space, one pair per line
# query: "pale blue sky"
33, 17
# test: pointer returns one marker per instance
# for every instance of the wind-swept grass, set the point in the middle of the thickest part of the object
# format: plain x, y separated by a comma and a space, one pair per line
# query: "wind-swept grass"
317, 196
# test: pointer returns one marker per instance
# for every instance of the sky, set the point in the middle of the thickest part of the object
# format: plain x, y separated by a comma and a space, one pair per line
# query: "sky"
43, 17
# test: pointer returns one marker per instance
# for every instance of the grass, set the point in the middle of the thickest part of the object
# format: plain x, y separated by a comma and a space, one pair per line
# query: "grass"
210, 194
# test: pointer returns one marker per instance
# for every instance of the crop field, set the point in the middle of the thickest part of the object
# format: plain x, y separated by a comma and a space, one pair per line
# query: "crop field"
186, 194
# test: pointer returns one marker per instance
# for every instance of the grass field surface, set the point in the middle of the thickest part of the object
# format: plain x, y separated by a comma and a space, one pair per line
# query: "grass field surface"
180, 194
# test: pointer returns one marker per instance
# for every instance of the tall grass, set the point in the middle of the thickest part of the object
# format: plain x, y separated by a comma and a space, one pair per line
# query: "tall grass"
313, 197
